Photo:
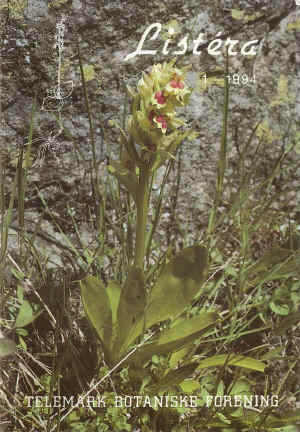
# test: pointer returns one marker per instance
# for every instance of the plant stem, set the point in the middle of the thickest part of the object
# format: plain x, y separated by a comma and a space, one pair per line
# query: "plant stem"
141, 220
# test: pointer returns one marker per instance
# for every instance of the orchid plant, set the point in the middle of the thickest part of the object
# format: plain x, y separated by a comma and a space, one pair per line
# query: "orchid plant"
123, 314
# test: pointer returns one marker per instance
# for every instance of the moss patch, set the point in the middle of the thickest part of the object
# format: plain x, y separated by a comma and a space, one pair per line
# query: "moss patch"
240, 15
283, 95
294, 26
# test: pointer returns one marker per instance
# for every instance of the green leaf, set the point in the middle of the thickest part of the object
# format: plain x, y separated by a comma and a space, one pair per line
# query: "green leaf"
178, 284
274, 353
97, 307
126, 178
279, 309
223, 418
173, 378
276, 263
188, 327
22, 332
241, 387
26, 315
178, 356
131, 309
190, 386
270, 258
287, 417
172, 340
232, 360
7, 347
114, 292
171, 145
289, 429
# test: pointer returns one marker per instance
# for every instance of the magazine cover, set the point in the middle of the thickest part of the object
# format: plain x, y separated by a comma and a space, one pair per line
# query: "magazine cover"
150, 216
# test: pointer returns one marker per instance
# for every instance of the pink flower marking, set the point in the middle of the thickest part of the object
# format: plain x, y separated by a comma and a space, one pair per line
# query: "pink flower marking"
158, 119
160, 97
162, 120
177, 84
173, 84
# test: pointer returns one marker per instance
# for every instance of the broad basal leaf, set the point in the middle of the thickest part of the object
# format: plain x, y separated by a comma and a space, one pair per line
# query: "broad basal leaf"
188, 327
114, 292
175, 338
97, 307
131, 308
178, 284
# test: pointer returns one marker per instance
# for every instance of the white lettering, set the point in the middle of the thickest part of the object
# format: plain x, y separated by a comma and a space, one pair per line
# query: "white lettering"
139, 50
67, 401
56, 401
184, 45
193, 401
214, 48
252, 50
118, 401
29, 400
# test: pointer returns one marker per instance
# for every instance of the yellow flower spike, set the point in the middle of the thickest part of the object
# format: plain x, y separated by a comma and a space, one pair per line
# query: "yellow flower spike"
159, 93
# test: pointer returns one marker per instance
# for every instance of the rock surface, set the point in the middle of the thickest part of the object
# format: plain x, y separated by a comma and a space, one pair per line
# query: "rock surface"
106, 32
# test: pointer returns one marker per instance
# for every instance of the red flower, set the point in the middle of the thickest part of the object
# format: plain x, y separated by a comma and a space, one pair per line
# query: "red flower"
162, 120
173, 84
158, 119
177, 84
160, 98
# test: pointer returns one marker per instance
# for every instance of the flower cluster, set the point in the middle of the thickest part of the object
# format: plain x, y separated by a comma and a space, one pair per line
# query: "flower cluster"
153, 117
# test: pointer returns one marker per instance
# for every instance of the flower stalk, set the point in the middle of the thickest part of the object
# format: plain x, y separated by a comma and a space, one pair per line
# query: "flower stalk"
142, 206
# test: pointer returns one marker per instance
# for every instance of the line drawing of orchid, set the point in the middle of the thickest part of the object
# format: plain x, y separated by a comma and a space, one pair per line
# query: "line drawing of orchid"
55, 99
58, 94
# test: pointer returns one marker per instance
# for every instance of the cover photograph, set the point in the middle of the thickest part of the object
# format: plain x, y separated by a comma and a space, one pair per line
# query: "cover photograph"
149, 216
